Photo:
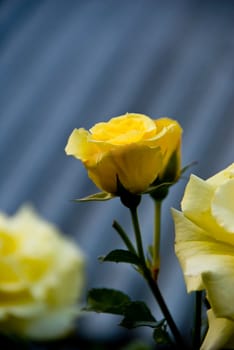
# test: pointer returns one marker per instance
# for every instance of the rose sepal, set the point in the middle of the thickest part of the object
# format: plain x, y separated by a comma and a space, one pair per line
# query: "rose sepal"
159, 191
100, 196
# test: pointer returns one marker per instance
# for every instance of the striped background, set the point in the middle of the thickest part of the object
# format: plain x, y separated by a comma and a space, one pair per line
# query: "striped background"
72, 63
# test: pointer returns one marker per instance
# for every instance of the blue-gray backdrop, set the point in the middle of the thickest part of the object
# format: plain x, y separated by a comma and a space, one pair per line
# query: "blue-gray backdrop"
72, 63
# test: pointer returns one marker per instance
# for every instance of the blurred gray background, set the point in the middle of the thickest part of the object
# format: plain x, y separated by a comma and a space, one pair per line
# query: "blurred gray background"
73, 63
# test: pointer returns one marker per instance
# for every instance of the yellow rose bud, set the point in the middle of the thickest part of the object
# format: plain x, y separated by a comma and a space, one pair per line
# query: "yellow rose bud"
205, 242
41, 277
132, 147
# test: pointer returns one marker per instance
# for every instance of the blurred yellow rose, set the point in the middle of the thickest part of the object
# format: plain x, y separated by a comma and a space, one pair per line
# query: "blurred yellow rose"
41, 277
133, 147
205, 246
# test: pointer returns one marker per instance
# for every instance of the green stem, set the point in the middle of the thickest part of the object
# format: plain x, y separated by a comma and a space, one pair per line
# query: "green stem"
156, 239
197, 320
153, 284
137, 232
165, 311
124, 236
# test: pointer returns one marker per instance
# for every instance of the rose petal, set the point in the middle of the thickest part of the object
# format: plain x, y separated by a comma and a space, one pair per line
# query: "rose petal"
186, 230
124, 130
222, 205
169, 140
196, 205
136, 167
218, 280
220, 333
39, 324
54, 324
222, 176
198, 253
80, 146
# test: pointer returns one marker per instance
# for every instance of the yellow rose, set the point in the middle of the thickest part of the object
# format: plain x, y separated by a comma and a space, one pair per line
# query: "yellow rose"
132, 147
41, 277
205, 244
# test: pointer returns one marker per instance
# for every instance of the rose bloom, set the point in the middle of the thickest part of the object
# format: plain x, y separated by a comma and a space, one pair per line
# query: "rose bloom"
205, 248
133, 147
41, 277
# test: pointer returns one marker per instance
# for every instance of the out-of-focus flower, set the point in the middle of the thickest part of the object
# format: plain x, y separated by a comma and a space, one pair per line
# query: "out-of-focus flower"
205, 245
132, 147
41, 277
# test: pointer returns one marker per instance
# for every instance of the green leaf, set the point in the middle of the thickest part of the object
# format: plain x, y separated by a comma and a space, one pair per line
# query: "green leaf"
100, 196
137, 314
106, 300
120, 255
